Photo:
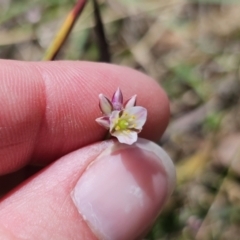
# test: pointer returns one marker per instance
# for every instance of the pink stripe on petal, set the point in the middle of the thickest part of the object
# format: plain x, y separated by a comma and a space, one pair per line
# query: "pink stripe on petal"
117, 97
105, 104
104, 122
131, 102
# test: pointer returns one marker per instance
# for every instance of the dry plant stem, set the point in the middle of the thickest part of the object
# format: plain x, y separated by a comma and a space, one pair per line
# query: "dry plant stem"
64, 31
202, 229
101, 38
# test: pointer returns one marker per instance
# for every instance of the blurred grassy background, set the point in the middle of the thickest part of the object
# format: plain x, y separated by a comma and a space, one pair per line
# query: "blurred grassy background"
192, 48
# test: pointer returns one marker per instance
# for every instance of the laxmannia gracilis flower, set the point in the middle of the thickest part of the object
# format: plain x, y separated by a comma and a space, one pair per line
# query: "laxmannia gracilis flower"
124, 121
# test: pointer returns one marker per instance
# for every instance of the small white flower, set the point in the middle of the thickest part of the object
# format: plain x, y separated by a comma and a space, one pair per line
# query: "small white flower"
124, 121
126, 124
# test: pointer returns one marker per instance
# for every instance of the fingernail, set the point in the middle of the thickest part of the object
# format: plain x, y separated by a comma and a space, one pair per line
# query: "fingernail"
121, 192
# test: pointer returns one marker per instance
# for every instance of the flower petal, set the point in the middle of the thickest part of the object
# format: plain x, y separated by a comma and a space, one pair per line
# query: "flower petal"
128, 137
131, 102
103, 121
105, 104
113, 119
140, 114
117, 100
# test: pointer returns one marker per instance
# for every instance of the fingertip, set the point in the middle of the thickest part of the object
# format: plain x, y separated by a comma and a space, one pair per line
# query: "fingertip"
122, 192
106, 190
92, 79
56, 103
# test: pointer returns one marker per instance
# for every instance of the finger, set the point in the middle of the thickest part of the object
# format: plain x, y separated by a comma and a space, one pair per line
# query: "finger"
49, 109
106, 191
12, 180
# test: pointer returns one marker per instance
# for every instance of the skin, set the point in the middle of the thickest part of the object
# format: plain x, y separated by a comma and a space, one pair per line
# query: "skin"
48, 112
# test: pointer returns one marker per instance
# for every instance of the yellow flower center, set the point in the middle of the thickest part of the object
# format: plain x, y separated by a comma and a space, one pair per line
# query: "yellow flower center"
122, 124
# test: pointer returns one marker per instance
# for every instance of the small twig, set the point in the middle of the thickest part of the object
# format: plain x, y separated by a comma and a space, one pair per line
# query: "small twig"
64, 31
101, 38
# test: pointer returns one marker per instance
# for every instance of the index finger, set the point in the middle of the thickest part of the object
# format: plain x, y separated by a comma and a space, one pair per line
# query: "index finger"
48, 109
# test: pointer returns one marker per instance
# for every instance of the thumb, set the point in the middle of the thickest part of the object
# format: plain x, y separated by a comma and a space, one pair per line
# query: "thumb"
104, 191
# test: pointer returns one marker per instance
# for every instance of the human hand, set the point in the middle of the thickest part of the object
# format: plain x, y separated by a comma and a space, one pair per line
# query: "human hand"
90, 191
